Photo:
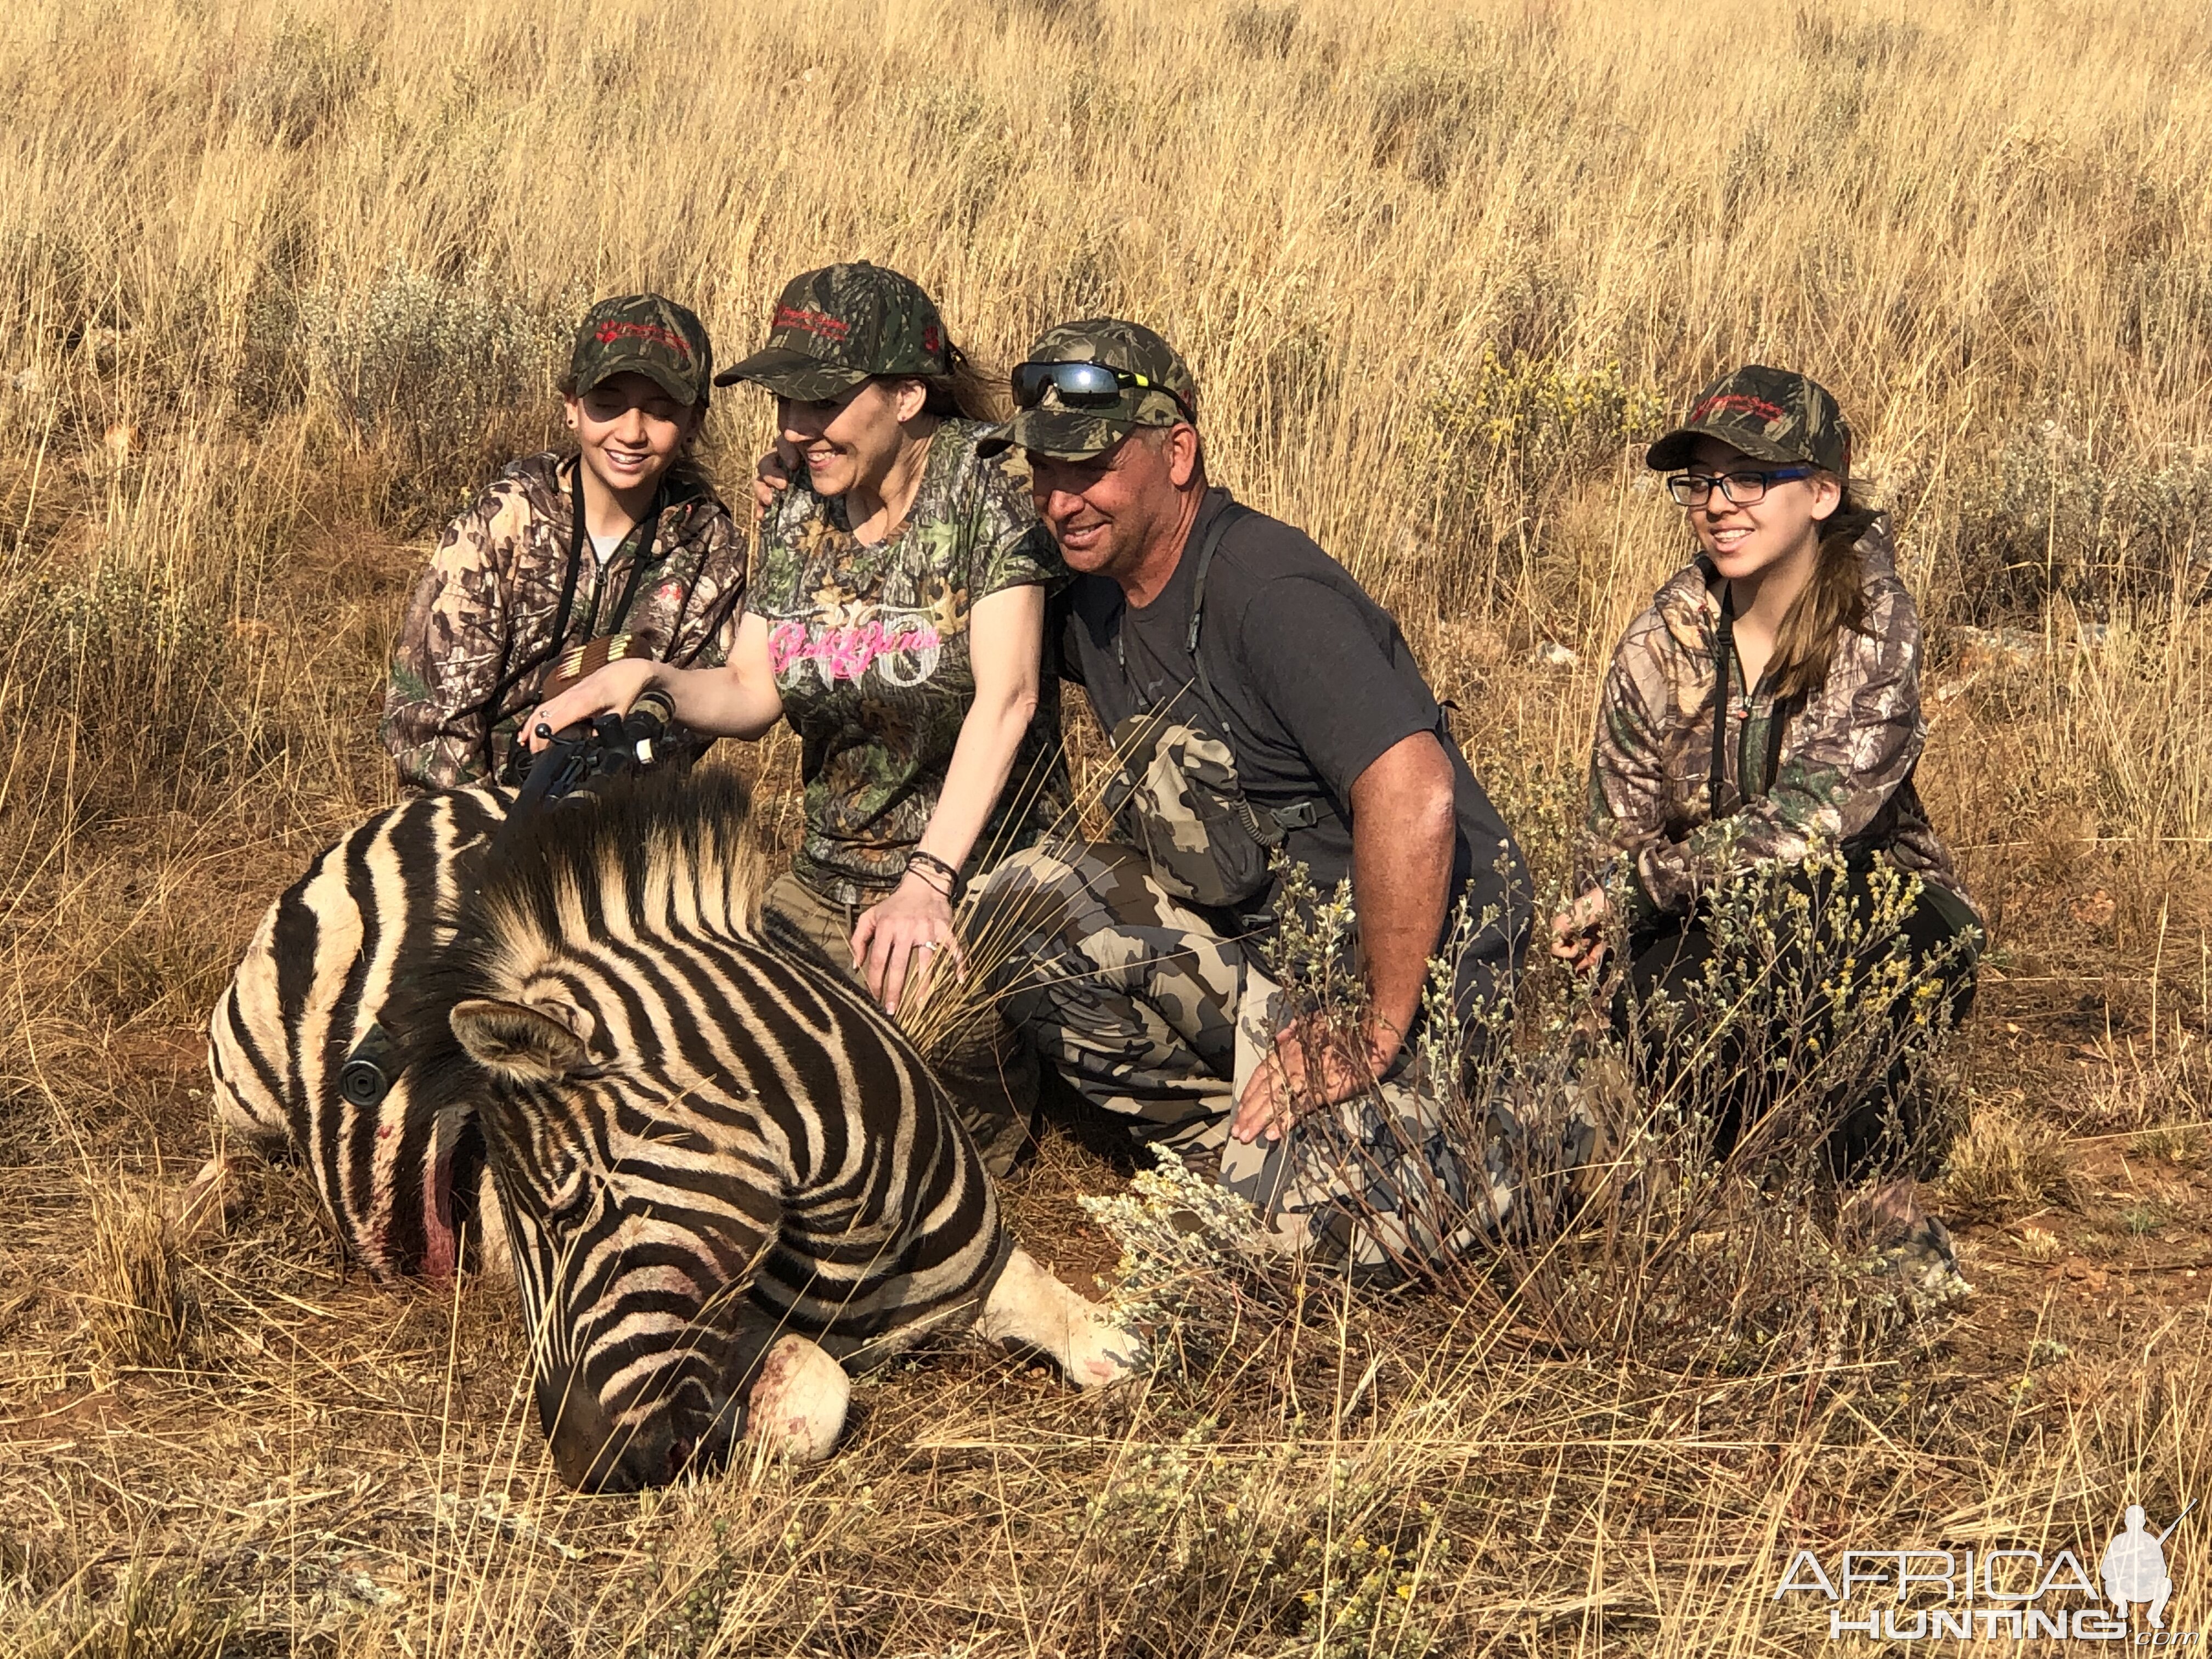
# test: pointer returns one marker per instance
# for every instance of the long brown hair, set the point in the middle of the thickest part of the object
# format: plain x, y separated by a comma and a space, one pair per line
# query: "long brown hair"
964, 390
1805, 644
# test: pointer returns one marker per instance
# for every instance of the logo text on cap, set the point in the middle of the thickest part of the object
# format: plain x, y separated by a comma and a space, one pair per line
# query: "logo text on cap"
608, 332
1739, 402
820, 323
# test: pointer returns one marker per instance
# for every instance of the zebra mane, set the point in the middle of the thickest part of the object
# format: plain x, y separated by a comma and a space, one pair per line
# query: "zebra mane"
669, 852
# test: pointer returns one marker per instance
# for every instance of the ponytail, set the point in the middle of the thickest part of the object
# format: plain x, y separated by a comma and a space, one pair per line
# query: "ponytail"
963, 391
1805, 644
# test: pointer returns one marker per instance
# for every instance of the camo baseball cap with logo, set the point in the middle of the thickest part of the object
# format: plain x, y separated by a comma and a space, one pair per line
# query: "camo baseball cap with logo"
643, 334
1772, 414
835, 328
1050, 428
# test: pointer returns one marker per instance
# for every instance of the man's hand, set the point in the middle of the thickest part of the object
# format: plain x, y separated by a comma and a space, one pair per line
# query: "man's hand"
772, 476
1311, 1065
898, 942
1578, 931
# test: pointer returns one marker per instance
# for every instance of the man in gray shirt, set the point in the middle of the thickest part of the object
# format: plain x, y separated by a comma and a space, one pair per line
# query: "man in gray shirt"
1259, 702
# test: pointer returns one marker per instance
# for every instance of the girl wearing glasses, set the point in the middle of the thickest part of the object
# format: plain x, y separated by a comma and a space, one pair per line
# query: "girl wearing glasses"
895, 619
1766, 705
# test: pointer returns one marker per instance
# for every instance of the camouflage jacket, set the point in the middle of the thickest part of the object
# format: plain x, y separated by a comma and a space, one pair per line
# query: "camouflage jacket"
869, 645
1841, 774
483, 616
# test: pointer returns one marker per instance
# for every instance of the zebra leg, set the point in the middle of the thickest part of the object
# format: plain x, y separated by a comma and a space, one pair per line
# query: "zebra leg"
797, 1402
1030, 1307
490, 1251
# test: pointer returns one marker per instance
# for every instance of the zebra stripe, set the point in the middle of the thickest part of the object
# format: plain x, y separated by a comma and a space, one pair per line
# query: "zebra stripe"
371, 913
703, 1134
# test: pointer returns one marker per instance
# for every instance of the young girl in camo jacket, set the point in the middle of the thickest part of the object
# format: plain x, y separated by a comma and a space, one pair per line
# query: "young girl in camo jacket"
1766, 705
622, 546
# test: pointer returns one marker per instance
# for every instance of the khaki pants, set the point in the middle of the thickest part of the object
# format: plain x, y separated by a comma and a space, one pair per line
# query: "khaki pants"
988, 1070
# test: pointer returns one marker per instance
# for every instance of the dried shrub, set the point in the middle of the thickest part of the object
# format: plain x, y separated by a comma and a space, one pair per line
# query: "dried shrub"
1264, 30
1426, 108
146, 1618
2006, 1166
1609, 1215
301, 83
125, 667
2048, 515
2184, 1146
441, 376
139, 1311
1519, 428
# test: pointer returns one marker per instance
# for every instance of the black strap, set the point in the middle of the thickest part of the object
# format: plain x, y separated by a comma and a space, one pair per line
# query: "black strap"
1298, 815
1724, 654
491, 708
1724, 659
647, 528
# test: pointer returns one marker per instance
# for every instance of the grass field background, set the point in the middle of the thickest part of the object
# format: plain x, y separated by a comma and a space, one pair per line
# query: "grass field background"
280, 284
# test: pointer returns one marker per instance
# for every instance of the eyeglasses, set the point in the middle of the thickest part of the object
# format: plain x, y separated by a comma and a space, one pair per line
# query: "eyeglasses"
1743, 489
1085, 386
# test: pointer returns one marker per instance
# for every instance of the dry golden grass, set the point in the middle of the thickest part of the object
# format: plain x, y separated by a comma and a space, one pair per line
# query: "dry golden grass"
2003, 1168
281, 281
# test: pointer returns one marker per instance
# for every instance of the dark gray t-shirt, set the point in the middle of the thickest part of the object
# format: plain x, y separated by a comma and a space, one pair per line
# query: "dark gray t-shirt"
1314, 681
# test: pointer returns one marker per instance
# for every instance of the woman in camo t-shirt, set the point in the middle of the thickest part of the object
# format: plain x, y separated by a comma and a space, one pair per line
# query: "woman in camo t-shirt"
897, 621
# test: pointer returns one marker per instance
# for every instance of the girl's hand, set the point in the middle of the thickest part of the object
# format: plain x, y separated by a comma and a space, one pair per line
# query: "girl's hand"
1578, 931
608, 690
909, 931
772, 476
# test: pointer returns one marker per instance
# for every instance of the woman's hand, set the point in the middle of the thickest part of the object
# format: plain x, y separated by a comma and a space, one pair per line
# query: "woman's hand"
608, 690
1578, 931
906, 932
772, 476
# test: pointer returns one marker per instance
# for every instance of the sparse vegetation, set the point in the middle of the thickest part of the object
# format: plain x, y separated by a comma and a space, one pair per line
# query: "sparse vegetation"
282, 279
2005, 1167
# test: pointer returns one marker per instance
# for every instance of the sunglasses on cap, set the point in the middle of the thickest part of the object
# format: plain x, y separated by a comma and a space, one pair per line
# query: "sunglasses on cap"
1085, 386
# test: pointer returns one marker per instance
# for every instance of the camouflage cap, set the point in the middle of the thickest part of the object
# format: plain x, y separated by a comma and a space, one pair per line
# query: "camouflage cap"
1052, 429
643, 334
1773, 414
836, 327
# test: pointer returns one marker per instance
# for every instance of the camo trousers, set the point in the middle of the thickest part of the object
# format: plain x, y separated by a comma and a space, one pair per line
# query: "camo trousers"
1151, 1013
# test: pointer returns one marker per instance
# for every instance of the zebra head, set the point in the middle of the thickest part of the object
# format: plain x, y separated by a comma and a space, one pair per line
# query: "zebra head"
590, 1010
703, 1138
632, 1269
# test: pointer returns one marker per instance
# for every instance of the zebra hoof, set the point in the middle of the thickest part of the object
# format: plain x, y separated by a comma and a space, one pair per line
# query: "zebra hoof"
797, 1408
1100, 1355
1028, 1307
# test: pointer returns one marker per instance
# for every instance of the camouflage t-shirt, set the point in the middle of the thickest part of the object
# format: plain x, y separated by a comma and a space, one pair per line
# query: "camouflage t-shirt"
869, 645
1838, 770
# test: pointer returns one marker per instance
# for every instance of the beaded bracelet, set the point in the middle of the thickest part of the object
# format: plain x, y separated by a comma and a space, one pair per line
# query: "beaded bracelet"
920, 863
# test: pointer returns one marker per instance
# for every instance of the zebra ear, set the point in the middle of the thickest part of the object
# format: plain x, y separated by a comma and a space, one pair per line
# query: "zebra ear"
517, 1040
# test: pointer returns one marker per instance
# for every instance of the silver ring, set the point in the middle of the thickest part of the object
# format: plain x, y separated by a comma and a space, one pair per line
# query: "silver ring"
926, 945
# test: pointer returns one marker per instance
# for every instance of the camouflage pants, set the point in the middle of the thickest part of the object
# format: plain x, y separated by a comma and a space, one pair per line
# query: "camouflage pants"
1151, 1013
987, 1069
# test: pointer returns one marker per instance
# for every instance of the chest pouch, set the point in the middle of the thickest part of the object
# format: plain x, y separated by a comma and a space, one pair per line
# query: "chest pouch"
1175, 794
